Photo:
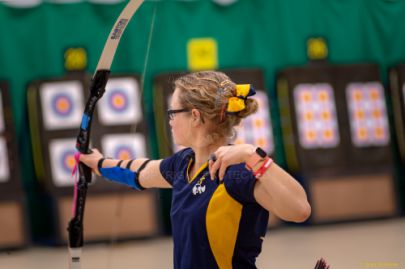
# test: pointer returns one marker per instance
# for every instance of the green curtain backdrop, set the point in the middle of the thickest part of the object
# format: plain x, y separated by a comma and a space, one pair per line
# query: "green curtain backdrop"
269, 34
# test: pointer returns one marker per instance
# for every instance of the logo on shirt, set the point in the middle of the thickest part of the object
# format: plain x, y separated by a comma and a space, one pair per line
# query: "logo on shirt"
199, 188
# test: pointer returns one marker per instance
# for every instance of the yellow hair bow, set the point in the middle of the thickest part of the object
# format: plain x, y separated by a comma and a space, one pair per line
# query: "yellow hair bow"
238, 103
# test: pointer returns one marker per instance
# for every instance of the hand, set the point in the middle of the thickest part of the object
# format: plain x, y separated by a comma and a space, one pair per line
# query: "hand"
91, 159
229, 155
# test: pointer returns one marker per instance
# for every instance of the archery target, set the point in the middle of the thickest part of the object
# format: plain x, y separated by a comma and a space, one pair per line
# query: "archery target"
61, 152
2, 127
367, 112
124, 146
62, 104
121, 103
257, 128
316, 116
4, 168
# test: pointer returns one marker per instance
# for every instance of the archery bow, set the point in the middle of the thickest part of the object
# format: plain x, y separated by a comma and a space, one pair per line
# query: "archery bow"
97, 89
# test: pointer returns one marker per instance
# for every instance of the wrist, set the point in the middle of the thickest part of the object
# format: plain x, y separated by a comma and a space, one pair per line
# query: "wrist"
250, 152
264, 166
255, 158
258, 162
100, 164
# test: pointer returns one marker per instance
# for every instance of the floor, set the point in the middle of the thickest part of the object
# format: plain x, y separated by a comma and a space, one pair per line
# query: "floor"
374, 244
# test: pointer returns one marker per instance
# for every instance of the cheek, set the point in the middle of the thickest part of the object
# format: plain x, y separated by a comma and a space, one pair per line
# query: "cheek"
175, 128
178, 131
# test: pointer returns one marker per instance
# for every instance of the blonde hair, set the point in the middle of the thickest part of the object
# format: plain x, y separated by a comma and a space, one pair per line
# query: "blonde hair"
209, 91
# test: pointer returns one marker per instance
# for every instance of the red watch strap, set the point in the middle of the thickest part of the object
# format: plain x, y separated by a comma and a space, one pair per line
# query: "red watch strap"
259, 172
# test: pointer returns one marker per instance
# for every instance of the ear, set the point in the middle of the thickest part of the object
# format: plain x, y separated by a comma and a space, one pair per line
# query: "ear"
196, 117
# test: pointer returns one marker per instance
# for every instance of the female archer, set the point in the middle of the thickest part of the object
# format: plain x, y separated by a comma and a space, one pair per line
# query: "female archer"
222, 193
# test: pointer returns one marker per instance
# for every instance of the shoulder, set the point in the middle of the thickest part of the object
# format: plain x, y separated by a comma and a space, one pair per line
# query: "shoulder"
170, 166
239, 182
184, 153
178, 158
238, 171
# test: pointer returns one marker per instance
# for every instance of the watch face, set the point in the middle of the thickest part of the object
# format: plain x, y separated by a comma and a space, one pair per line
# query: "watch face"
261, 152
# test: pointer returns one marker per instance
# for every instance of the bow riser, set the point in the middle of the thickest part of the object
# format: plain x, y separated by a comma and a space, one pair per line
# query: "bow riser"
97, 89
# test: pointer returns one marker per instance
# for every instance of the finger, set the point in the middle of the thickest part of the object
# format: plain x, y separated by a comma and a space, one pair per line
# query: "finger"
95, 171
210, 163
82, 157
222, 170
214, 174
214, 168
92, 151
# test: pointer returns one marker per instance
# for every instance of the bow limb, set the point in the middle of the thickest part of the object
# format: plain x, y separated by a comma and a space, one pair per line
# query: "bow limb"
97, 89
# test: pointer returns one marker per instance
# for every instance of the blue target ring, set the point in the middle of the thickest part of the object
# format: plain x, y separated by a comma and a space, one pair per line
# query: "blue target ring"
62, 105
124, 152
118, 100
67, 161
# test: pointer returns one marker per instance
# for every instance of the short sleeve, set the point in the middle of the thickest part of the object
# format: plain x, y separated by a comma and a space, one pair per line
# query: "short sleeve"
239, 183
170, 165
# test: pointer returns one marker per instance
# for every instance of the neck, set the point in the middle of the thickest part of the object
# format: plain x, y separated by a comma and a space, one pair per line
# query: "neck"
202, 153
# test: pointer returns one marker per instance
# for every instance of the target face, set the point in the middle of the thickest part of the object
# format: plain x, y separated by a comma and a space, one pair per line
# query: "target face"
121, 103
62, 104
367, 112
61, 152
257, 128
124, 146
4, 168
2, 127
316, 116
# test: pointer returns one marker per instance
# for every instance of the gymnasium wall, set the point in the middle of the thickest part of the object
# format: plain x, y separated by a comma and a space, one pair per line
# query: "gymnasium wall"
269, 35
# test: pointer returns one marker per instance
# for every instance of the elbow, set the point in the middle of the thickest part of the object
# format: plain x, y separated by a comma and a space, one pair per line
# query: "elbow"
303, 213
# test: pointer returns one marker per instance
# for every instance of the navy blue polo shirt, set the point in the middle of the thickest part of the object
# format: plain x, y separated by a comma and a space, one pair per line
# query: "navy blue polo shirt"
214, 225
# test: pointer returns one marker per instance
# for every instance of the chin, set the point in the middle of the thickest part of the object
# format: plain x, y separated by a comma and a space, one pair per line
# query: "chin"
181, 145
179, 142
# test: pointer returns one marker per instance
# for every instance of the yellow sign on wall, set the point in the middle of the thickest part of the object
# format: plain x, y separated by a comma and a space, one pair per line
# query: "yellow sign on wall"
317, 49
75, 59
202, 54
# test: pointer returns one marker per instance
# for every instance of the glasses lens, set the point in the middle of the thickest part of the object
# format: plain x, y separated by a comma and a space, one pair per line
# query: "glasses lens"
170, 114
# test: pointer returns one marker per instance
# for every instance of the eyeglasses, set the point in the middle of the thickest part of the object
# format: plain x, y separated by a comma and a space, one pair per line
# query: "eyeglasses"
171, 112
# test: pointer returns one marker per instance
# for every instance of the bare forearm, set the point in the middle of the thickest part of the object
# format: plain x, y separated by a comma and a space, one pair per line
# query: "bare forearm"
150, 176
287, 197
135, 164
278, 191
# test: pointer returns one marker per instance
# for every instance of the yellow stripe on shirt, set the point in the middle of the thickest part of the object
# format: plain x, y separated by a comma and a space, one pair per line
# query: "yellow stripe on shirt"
197, 173
222, 222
